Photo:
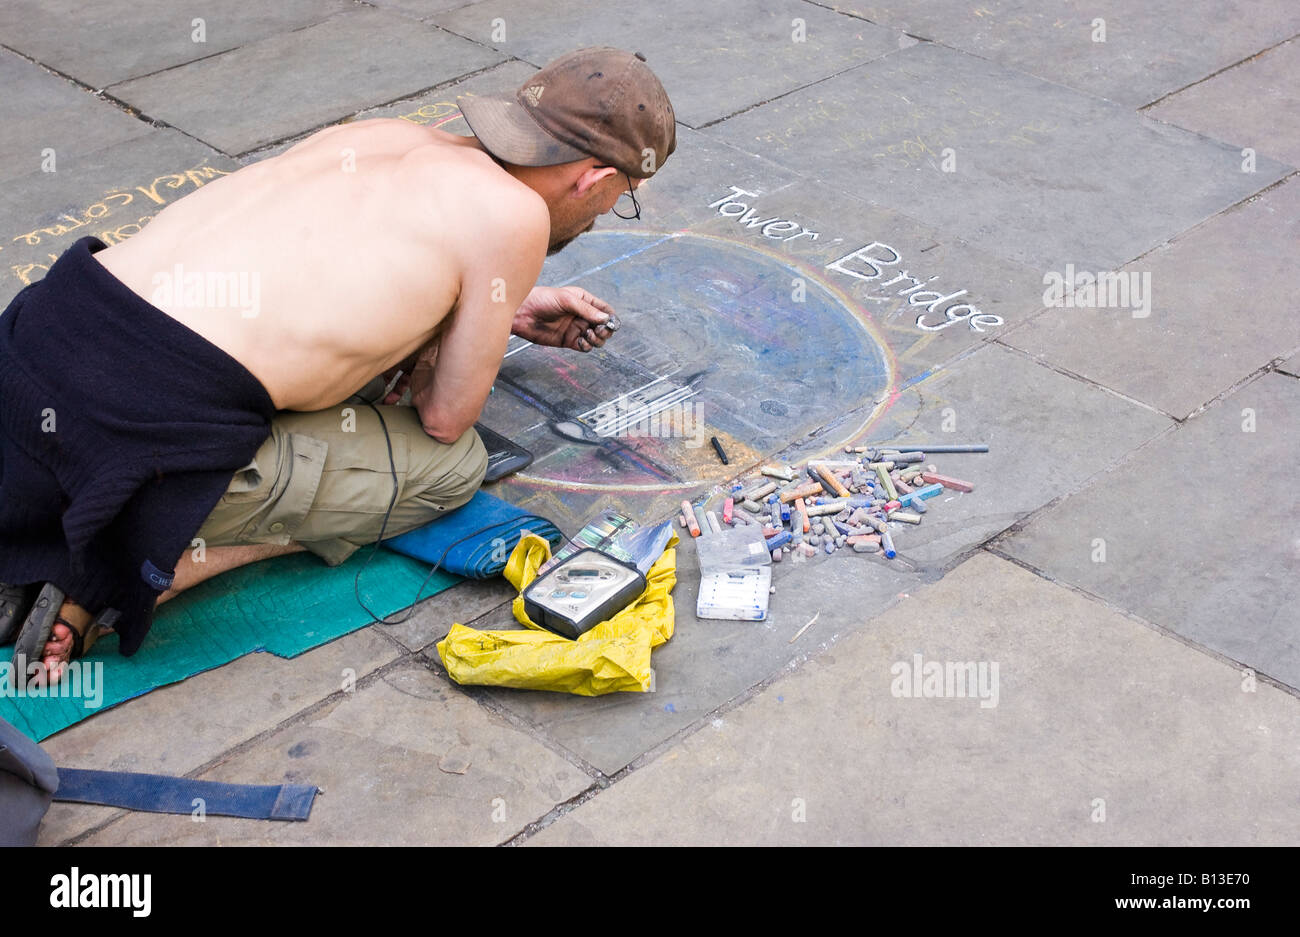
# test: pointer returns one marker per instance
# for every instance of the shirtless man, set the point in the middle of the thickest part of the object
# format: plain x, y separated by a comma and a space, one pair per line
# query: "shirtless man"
382, 245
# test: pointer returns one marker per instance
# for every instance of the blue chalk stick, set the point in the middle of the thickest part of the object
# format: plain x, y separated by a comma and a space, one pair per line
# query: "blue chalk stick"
778, 540
887, 544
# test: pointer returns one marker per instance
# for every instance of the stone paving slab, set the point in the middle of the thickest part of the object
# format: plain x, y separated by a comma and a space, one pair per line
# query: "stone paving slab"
41, 112
419, 9
708, 662
1150, 48
179, 728
110, 193
1213, 312
712, 61
1047, 435
1291, 366
1095, 712
109, 41
405, 760
1253, 104
437, 109
433, 618
1041, 174
293, 82
1198, 531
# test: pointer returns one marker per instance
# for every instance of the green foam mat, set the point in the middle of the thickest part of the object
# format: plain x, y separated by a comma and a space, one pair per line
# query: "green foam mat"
286, 605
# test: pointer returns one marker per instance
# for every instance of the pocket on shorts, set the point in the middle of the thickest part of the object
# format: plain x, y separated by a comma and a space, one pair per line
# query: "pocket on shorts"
290, 492
251, 483
358, 477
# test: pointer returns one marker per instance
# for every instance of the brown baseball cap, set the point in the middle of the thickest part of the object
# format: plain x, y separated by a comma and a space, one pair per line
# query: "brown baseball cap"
599, 102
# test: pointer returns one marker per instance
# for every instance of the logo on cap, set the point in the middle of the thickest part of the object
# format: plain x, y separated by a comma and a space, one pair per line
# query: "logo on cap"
533, 94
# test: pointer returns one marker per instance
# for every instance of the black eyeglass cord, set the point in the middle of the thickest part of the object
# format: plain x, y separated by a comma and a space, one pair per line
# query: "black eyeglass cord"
636, 206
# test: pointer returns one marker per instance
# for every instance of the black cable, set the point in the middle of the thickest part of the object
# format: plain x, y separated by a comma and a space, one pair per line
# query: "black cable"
383, 527
388, 512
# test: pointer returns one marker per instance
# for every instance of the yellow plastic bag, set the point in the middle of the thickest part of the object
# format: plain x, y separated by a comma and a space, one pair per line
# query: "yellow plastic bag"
613, 656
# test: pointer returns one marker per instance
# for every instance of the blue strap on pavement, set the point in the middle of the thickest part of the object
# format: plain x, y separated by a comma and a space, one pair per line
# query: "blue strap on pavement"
156, 793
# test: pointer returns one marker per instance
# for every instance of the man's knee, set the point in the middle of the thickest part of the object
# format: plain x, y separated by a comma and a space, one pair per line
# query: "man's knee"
443, 477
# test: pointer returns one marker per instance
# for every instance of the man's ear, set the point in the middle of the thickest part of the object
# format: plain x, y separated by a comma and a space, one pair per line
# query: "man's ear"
590, 178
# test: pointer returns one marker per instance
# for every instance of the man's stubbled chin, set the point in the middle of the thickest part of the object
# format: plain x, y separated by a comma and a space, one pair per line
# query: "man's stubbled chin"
556, 248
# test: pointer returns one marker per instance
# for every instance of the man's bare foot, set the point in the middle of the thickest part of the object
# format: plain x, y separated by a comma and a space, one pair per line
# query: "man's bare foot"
58, 649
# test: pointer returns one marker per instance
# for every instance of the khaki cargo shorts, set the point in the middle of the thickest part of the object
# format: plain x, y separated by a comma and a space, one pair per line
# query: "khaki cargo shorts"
323, 480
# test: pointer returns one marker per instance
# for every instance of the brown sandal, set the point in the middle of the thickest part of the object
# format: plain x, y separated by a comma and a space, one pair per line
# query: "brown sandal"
39, 627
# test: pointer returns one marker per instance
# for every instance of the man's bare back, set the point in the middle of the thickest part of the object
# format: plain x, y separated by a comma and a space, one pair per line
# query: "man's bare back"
367, 242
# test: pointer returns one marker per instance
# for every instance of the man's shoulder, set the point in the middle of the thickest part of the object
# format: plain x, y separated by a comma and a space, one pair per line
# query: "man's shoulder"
487, 198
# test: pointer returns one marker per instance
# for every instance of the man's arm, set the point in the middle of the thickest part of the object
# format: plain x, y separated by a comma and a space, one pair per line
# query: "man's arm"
450, 396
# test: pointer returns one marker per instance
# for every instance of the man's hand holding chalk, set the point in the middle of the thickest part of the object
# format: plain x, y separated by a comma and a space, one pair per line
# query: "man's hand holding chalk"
564, 317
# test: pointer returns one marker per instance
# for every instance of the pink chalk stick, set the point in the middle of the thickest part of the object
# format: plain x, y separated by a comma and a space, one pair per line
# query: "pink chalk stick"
956, 484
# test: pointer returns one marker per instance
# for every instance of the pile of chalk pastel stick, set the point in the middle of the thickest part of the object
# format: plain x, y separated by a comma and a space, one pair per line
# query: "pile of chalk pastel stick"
832, 504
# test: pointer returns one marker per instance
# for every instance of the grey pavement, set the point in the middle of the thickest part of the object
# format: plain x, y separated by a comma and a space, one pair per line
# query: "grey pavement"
1097, 645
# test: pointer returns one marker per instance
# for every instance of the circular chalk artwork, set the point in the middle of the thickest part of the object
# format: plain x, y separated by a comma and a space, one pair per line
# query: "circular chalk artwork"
717, 339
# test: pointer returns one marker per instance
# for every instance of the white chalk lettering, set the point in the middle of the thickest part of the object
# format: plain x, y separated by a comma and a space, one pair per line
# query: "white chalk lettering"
904, 276
750, 219
870, 261
972, 317
735, 190
804, 233
864, 254
917, 286
916, 300
773, 227
779, 227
